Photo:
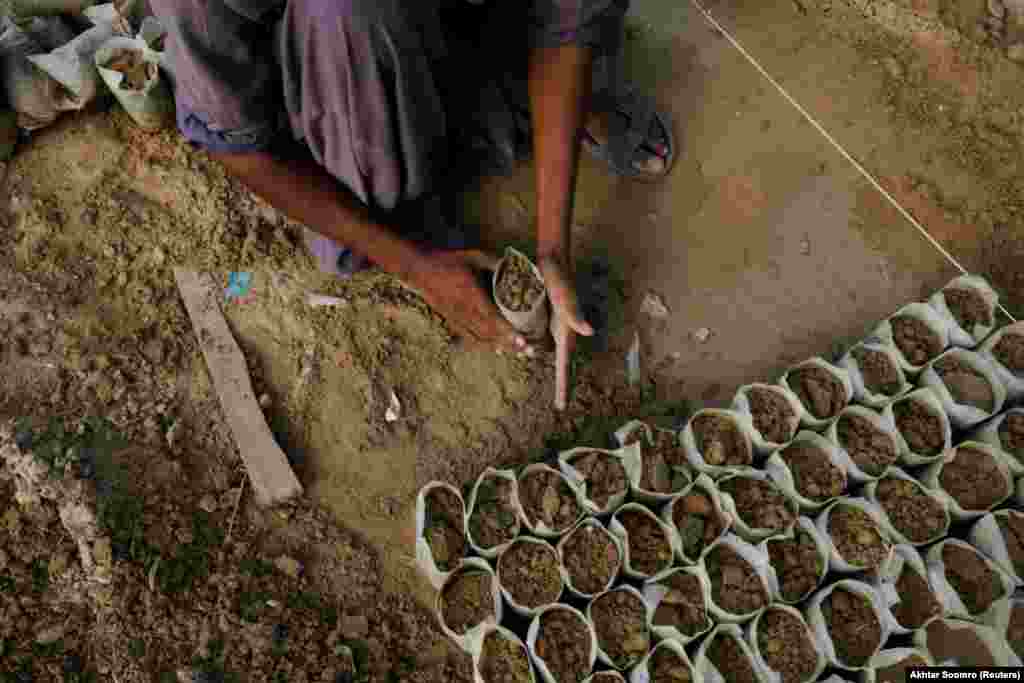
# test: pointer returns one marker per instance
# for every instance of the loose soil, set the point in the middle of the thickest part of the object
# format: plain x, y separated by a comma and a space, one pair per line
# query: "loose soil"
772, 415
591, 559
853, 627
493, 520
546, 497
665, 666
917, 603
960, 644
720, 441
1011, 524
504, 660
620, 620
659, 477
649, 547
1011, 435
785, 643
731, 661
1015, 630
917, 342
881, 375
735, 586
518, 287
604, 475
662, 442
870, 448
974, 480
797, 564
856, 536
137, 72
971, 577
911, 511
969, 308
821, 392
1009, 351
760, 504
968, 386
920, 428
698, 522
530, 573
814, 475
563, 642
683, 606
467, 600
606, 677
445, 528
897, 673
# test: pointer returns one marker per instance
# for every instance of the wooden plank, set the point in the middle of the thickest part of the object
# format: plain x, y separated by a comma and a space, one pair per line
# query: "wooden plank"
272, 477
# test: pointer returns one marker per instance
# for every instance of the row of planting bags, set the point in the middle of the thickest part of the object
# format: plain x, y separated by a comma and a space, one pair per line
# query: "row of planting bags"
876, 585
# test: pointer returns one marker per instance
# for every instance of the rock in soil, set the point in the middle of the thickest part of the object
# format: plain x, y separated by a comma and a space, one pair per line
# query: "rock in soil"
853, 626
857, 538
1015, 630
759, 503
467, 600
504, 660
917, 342
563, 642
897, 673
797, 564
1012, 526
814, 475
920, 428
785, 643
731, 661
698, 522
683, 606
649, 547
881, 375
969, 308
911, 511
735, 586
968, 386
1011, 435
620, 620
917, 603
1010, 352
546, 497
604, 475
870, 448
518, 287
974, 480
493, 520
772, 415
820, 392
970, 576
591, 559
445, 528
720, 441
530, 573
665, 666
961, 644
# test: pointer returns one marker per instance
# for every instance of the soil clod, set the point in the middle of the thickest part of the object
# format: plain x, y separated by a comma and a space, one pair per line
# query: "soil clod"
797, 564
772, 415
962, 645
563, 642
604, 475
493, 520
814, 475
821, 392
720, 441
967, 386
881, 375
620, 620
591, 559
920, 427
649, 547
1009, 351
1011, 435
917, 603
870, 448
1011, 524
735, 585
547, 498
698, 522
665, 666
974, 480
731, 660
977, 584
911, 511
467, 601
856, 536
917, 342
969, 308
785, 643
518, 286
444, 529
683, 606
1015, 630
853, 626
503, 660
529, 572
760, 504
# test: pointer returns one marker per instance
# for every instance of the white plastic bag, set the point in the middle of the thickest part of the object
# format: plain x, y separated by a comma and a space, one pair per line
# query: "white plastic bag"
952, 603
987, 537
73, 67
518, 608
892, 657
478, 652
470, 640
35, 8
697, 459
959, 336
603, 656
819, 626
861, 393
30, 92
490, 473
989, 433
927, 315
620, 532
589, 525
822, 546
705, 486
534, 633
836, 561
998, 618
741, 404
532, 322
707, 672
740, 526
655, 591
152, 107
540, 528
646, 443
881, 422
752, 639
964, 416
932, 478
642, 674
1013, 381
884, 580
927, 399
994, 642
627, 456
870, 492
424, 556
780, 473
808, 418
761, 565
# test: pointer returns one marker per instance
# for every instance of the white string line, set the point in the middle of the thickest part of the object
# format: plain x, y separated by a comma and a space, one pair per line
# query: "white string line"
839, 148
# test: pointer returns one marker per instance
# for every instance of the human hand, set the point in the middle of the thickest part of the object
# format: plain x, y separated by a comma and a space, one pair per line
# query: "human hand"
566, 322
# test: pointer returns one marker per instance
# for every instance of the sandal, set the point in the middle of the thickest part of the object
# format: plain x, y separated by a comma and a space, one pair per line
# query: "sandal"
639, 130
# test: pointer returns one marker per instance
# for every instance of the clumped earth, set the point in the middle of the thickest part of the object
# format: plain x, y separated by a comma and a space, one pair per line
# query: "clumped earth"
662, 442
649, 547
731, 660
814, 475
563, 642
445, 528
798, 565
974, 480
856, 536
772, 415
530, 573
911, 511
137, 72
853, 626
917, 603
493, 520
664, 465
920, 427
504, 660
1011, 524
969, 308
720, 441
1009, 351
547, 497
785, 643
1011, 435
682, 606
698, 522
604, 475
760, 504
918, 343
591, 559
518, 287
881, 375
968, 386
975, 582
606, 677
1015, 630
665, 666
960, 644
620, 620
871, 448
735, 586
897, 673
820, 392
467, 600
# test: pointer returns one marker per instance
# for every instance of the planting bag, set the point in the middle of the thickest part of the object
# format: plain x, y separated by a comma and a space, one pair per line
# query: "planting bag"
641, 672
628, 457
741, 404
819, 627
596, 527
759, 561
1012, 381
870, 492
152, 107
707, 672
961, 415
478, 652
931, 403
807, 418
952, 603
424, 557
655, 591
620, 532
706, 486
782, 475
470, 640
533, 322
927, 315
836, 561
988, 537
534, 631
861, 393
508, 475
697, 459
958, 336
752, 639
854, 473
931, 478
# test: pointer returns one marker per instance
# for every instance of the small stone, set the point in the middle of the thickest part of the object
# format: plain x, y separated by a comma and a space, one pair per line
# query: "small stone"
702, 335
208, 503
996, 8
265, 401
654, 306
1015, 53
288, 566
805, 247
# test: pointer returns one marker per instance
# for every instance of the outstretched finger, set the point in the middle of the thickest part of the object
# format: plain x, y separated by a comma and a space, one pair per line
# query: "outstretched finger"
562, 345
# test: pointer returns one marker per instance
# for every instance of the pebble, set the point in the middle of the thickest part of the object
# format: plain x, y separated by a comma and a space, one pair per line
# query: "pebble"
208, 503
1015, 52
50, 635
265, 401
654, 306
288, 566
702, 335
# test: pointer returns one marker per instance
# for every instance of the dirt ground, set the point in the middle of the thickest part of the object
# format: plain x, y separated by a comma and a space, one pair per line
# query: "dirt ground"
762, 226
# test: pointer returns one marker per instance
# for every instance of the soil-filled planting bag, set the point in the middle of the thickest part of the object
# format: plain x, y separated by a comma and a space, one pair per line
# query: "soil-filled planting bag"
649, 545
440, 531
718, 442
809, 470
501, 656
529, 575
956, 642
698, 517
619, 618
923, 430
965, 580
591, 558
1000, 535
562, 644
876, 373
902, 583
799, 560
890, 666
855, 535
493, 512
909, 512
71, 65
1005, 432
823, 389
774, 411
782, 643
132, 72
549, 502
757, 506
1005, 351
667, 656
469, 603
603, 477
742, 580
967, 386
968, 306
605, 677
974, 478
30, 93
918, 334
725, 656
664, 470
520, 294
850, 623
677, 602
1006, 617
866, 441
